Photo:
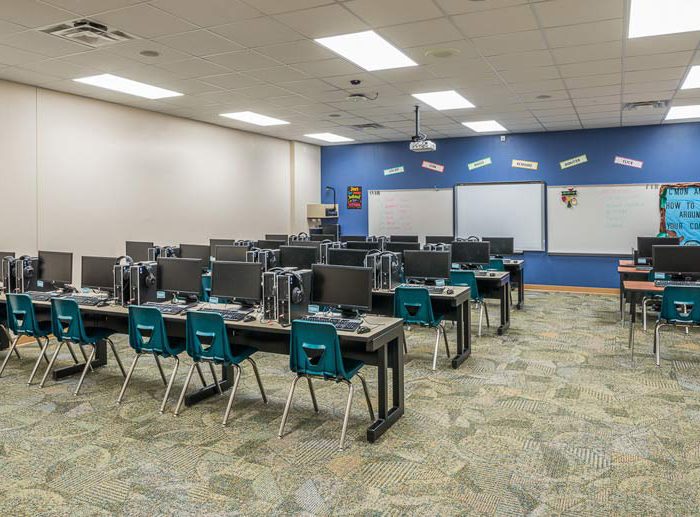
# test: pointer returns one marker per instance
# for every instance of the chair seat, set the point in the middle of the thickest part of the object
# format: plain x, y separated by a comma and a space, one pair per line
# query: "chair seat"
437, 321
240, 353
97, 334
352, 366
177, 346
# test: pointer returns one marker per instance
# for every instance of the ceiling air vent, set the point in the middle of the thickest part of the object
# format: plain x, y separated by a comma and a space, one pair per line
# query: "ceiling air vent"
88, 33
645, 106
370, 125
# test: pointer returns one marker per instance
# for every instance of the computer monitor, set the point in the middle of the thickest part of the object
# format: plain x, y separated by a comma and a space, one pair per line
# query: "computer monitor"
471, 252
427, 265
240, 281
180, 275
400, 247
439, 239
352, 238
196, 251
138, 250
346, 257
345, 287
55, 267
97, 273
403, 238
676, 259
300, 257
271, 244
317, 237
231, 253
364, 245
307, 244
645, 245
500, 245
213, 243
277, 237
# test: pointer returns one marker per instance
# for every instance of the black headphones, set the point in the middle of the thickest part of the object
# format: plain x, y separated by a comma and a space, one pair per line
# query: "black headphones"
27, 266
126, 258
473, 238
395, 261
296, 293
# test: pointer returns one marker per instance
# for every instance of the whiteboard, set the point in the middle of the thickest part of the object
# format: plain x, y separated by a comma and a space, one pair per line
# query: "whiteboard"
410, 212
607, 219
502, 210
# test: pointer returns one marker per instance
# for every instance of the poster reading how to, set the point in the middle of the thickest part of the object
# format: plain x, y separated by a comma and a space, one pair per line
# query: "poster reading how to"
680, 211
355, 197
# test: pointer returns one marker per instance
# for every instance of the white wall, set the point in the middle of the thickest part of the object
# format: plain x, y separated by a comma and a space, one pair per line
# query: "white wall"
93, 175
306, 182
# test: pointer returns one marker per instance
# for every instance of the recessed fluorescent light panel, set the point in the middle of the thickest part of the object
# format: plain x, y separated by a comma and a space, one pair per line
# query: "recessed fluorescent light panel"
448, 100
255, 118
683, 112
656, 17
693, 79
123, 85
329, 137
485, 126
368, 50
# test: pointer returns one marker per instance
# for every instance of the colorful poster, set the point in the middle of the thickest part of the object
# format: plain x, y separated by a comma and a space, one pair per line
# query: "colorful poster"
480, 163
393, 170
355, 197
680, 211
629, 162
433, 166
572, 162
524, 164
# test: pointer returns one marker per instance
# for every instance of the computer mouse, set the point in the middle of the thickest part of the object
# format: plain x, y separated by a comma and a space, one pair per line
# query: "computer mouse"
450, 291
492, 274
363, 330
249, 318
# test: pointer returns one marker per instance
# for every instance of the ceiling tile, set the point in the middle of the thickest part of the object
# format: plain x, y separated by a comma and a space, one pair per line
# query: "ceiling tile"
594, 80
329, 20
571, 12
594, 52
659, 74
531, 74
277, 74
21, 75
653, 86
297, 52
662, 44
195, 67
536, 58
608, 66
9, 28
328, 67
428, 32
598, 91
42, 43
144, 21
87, 7
258, 32
393, 12
231, 81
30, 13
658, 61
133, 49
243, 60
199, 43
207, 13
15, 56
584, 34
505, 43
461, 6
307, 86
263, 91
538, 86
496, 21
277, 6
61, 68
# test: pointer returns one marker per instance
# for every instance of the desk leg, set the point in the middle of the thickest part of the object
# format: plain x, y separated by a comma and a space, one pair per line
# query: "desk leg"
211, 390
464, 335
387, 418
505, 309
100, 360
633, 317
521, 289
4, 338
622, 299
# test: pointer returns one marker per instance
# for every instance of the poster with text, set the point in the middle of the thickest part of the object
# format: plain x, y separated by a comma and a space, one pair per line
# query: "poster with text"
355, 197
680, 212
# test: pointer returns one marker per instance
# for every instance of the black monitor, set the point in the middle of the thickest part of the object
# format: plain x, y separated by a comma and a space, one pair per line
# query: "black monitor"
364, 245
231, 253
138, 250
427, 265
676, 259
307, 244
500, 245
240, 281
97, 273
439, 239
403, 238
213, 243
645, 245
352, 238
345, 287
322, 237
400, 247
196, 251
55, 267
301, 257
180, 275
346, 257
277, 237
271, 244
471, 252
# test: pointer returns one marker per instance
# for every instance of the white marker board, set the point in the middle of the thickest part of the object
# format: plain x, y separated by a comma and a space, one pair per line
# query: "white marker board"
410, 212
606, 220
502, 210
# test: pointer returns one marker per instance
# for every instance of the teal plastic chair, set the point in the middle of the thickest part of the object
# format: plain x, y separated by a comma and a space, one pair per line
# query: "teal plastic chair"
314, 352
680, 307
207, 342
68, 327
413, 305
147, 335
467, 278
651, 301
21, 321
206, 288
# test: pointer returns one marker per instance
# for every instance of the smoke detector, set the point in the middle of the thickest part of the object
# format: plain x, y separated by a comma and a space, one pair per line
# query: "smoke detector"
87, 32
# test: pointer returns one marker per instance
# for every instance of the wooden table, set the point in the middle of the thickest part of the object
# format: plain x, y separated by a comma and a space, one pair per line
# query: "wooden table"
635, 289
496, 284
516, 268
629, 271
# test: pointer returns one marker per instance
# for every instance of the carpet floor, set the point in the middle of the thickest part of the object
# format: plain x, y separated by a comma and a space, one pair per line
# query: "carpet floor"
552, 419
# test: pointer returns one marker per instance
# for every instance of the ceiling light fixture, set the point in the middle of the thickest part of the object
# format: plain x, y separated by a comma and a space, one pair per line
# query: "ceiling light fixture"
254, 118
329, 137
368, 50
485, 126
684, 112
447, 100
653, 18
123, 85
693, 78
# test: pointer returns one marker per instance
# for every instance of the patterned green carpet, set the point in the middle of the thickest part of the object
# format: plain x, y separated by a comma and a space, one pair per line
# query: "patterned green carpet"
552, 419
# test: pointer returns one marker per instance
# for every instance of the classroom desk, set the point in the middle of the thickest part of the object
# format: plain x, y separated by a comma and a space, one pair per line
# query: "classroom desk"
516, 268
450, 305
381, 347
628, 272
496, 285
635, 289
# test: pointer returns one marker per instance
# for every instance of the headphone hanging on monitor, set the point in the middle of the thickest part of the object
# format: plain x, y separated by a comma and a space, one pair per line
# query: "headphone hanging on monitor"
27, 266
473, 238
296, 292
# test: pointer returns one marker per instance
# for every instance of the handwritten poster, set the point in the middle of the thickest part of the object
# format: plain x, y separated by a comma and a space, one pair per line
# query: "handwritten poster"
680, 211
355, 197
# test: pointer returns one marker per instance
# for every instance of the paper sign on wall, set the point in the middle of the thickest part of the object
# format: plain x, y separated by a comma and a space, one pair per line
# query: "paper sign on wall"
478, 164
572, 162
629, 162
523, 164
433, 166
393, 170
354, 197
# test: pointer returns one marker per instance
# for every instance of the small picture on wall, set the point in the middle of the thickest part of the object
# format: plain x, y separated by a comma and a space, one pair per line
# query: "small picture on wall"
355, 197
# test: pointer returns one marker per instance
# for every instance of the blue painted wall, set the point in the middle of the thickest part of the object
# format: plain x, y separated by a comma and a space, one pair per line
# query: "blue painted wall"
670, 153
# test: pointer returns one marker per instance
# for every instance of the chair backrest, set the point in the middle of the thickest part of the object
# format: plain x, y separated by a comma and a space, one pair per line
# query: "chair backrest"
314, 349
413, 305
66, 321
206, 288
681, 305
147, 330
21, 318
496, 264
465, 278
206, 337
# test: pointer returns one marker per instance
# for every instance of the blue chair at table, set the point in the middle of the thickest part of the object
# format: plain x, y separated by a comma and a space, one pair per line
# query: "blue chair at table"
413, 305
467, 278
207, 342
680, 307
21, 321
68, 327
314, 352
147, 335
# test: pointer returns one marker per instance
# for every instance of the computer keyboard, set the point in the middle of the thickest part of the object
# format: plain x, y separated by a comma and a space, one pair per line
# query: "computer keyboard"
168, 308
433, 289
339, 323
228, 314
677, 283
39, 296
84, 300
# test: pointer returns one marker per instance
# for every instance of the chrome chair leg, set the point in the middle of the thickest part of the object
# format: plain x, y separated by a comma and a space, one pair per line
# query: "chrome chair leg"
184, 388
234, 389
13, 348
201, 375
313, 393
288, 405
257, 377
481, 316
644, 313
437, 344
346, 418
170, 385
216, 379
160, 369
85, 370
657, 342
46, 358
128, 377
486, 312
405, 343
116, 356
51, 363
44, 348
447, 346
367, 397
16, 351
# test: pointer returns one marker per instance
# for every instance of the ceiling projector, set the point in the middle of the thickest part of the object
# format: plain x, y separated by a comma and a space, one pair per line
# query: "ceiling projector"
419, 142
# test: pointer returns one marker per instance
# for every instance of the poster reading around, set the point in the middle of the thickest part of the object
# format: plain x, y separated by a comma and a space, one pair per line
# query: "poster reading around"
680, 211
355, 197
